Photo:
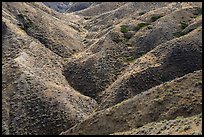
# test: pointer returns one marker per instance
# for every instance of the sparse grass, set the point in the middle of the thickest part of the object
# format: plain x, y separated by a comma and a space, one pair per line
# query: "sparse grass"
121, 39
140, 25
130, 58
190, 30
123, 29
198, 11
159, 100
199, 83
22, 28
117, 40
124, 40
140, 53
179, 34
65, 60
20, 15
183, 25
155, 17
163, 78
27, 23
128, 35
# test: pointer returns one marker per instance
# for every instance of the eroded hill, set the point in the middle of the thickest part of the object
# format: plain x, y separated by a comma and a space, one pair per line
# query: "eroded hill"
101, 68
180, 97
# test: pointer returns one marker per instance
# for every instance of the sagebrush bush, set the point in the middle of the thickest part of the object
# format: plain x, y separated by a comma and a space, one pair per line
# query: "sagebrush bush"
183, 25
155, 17
140, 25
123, 29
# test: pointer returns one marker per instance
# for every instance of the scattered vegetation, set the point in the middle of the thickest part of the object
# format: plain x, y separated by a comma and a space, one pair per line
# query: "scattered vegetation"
21, 27
198, 11
140, 53
140, 25
183, 24
149, 27
199, 83
117, 40
27, 23
124, 40
21, 16
128, 35
65, 60
163, 78
74, 50
123, 29
141, 13
155, 17
179, 34
130, 58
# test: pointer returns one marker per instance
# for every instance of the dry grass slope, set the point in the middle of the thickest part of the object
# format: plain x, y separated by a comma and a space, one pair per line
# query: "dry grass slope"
180, 97
111, 68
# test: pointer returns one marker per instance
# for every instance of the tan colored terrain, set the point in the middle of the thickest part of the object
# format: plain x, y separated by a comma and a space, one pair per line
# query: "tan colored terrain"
180, 97
106, 68
179, 126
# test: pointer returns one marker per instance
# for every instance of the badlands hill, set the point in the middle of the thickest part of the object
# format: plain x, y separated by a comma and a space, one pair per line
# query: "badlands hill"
101, 68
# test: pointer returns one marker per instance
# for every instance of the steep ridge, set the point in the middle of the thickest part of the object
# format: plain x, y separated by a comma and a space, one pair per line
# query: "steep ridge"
39, 98
106, 68
94, 69
180, 97
167, 61
100, 8
65, 7
63, 40
36, 98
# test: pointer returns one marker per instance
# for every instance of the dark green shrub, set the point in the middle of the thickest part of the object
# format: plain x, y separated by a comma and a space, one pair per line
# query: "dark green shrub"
179, 34
149, 27
128, 35
27, 23
140, 53
123, 29
141, 13
155, 17
198, 11
140, 25
183, 25
163, 78
117, 40
130, 58
124, 40
73, 50
21, 16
